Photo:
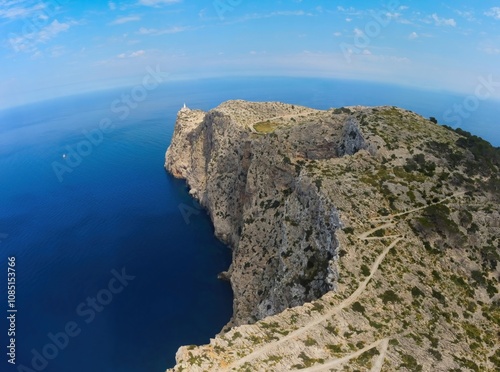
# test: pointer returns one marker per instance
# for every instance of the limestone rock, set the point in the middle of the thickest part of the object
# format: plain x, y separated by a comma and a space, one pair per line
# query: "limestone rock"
363, 238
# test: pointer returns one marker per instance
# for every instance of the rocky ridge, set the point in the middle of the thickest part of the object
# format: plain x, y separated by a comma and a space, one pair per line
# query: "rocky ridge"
363, 238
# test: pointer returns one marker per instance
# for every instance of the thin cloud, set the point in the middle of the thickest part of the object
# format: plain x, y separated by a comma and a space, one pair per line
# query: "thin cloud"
52, 30
468, 15
122, 20
443, 21
137, 53
491, 50
28, 42
358, 32
386, 58
156, 32
413, 36
291, 13
493, 12
157, 3
57, 51
9, 10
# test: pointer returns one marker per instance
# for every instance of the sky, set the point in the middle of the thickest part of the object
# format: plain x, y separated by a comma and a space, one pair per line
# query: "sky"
54, 48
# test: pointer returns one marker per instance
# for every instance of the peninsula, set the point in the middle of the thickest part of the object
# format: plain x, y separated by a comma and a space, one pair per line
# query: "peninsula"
363, 238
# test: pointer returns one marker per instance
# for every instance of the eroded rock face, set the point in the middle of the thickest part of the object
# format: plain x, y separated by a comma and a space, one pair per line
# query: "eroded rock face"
352, 139
276, 219
416, 285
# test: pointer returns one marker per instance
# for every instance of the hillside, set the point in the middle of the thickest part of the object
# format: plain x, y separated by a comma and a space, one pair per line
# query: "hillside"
364, 238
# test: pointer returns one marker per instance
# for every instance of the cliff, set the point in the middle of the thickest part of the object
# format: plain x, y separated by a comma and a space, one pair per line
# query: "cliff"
315, 204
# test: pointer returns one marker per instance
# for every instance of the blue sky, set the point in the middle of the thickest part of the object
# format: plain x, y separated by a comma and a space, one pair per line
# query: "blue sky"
54, 48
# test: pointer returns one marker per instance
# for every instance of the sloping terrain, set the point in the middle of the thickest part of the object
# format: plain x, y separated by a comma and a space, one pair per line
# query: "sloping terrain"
364, 239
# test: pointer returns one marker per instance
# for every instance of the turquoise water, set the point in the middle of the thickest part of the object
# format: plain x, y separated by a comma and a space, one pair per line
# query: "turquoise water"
75, 223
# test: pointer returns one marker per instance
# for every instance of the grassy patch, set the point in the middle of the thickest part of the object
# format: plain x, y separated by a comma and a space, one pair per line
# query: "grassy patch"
265, 127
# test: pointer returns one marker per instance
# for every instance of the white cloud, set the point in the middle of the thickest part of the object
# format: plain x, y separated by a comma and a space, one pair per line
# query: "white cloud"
112, 5
254, 16
392, 15
337, 34
493, 12
37, 55
491, 47
276, 14
443, 21
348, 10
27, 42
358, 32
157, 3
468, 15
490, 50
122, 20
137, 53
156, 32
52, 30
10, 10
413, 36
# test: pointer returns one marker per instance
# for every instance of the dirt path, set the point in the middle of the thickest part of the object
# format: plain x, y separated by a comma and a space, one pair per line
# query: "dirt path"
377, 367
391, 216
369, 232
337, 362
384, 343
314, 322
381, 237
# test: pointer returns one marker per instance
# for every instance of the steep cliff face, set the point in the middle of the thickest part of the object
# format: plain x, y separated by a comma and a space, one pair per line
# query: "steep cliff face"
371, 234
275, 217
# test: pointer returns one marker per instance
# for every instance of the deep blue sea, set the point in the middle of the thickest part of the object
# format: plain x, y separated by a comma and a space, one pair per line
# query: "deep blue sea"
115, 266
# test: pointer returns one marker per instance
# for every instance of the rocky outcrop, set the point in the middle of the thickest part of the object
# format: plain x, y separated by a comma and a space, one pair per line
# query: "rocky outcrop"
371, 234
279, 224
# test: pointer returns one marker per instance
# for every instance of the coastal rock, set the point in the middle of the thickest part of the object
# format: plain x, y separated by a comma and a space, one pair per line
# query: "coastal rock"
364, 238
279, 224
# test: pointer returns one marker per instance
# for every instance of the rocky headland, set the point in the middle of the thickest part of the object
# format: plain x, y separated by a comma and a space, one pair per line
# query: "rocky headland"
363, 238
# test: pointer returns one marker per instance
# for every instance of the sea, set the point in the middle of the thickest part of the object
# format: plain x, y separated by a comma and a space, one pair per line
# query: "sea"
106, 263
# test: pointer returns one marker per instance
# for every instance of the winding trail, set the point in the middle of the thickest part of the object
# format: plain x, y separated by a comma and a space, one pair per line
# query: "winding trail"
337, 362
377, 367
391, 216
313, 323
387, 222
369, 232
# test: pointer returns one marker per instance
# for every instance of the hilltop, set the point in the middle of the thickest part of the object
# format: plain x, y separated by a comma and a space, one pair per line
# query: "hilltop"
364, 238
